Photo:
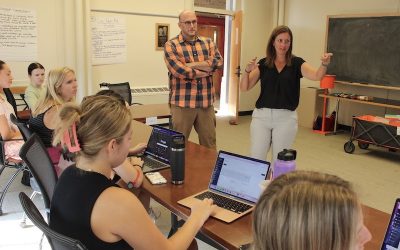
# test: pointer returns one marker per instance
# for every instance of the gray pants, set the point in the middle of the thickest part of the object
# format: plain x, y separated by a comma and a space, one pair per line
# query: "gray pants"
276, 127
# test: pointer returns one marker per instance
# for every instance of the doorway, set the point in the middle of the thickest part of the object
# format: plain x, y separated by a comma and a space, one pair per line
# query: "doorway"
214, 28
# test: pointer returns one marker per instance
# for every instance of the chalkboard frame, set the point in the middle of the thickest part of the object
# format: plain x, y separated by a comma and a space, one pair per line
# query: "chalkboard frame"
395, 85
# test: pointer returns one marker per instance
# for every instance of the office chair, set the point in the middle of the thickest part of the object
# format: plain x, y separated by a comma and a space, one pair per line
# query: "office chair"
36, 158
57, 241
12, 163
22, 115
26, 134
123, 89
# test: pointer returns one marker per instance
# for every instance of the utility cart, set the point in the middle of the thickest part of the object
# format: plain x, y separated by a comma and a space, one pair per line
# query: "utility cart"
378, 131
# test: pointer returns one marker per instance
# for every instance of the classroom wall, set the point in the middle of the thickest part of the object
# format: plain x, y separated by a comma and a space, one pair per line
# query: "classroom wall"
145, 65
257, 26
307, 19
50, 25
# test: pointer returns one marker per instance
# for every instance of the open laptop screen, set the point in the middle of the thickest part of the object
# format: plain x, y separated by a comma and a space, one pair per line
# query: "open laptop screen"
238, 176
392, 237
159, 143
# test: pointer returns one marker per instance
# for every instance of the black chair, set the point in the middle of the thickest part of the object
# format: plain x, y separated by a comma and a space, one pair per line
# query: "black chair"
123, 89
23, 127
16, 164
22, 115
57, 241
35, 156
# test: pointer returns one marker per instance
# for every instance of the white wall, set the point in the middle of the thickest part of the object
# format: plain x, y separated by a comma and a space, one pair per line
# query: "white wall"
50, 35
307, 19
145, 65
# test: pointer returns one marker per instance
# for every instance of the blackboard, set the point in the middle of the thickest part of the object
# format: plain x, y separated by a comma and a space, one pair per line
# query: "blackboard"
365, 49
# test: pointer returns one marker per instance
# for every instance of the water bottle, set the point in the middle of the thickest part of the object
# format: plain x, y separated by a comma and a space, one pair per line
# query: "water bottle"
285, 162
177, 159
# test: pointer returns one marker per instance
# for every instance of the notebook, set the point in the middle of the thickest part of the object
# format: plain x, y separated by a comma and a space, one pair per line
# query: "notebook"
234, 186
157, 153
392, 236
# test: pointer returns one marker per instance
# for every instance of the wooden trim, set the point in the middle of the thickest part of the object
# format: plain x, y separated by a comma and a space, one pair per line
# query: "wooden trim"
363, 15
368, 85
362, 102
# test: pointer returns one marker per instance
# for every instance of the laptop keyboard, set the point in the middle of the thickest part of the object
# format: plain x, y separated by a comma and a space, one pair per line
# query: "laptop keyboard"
153, 164
224, 202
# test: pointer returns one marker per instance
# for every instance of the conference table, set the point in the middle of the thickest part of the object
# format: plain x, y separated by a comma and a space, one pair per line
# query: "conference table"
199, 163
143, 112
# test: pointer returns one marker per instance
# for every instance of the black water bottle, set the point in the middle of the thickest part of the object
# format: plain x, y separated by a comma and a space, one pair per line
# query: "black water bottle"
177, 159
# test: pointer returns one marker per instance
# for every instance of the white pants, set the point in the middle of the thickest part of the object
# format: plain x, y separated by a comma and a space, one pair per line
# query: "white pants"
276, 127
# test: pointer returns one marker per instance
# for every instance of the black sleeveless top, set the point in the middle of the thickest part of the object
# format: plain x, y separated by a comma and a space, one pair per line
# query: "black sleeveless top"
36, 125
280, 90
71, 207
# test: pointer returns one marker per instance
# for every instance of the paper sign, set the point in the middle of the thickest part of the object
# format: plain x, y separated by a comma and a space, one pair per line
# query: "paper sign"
151, 120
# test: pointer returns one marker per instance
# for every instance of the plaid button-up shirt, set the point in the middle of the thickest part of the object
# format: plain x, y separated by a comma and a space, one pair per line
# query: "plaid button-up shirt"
187, 90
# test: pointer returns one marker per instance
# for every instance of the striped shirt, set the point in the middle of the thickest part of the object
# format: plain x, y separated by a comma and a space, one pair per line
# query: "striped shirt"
187, 90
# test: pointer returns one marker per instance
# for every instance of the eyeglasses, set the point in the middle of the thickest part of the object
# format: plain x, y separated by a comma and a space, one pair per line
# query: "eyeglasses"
188, 23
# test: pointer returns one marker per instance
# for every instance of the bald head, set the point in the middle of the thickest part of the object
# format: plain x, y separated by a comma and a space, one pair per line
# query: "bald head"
186, 13
188, 24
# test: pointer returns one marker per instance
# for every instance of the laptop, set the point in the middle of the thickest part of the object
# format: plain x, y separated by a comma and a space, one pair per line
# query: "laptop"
157, 153
234, 186
392, 236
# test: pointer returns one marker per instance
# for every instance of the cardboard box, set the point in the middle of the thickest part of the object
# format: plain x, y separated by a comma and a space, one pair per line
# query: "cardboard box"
310, 106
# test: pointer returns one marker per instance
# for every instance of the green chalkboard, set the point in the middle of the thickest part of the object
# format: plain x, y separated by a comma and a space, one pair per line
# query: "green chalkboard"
365, 49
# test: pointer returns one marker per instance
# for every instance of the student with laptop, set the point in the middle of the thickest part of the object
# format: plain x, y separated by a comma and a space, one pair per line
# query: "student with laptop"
86, 205
305, 210
234, 186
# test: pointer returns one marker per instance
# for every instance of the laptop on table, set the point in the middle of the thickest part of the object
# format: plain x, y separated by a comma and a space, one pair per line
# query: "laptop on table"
157, 153
234, 186
392, 236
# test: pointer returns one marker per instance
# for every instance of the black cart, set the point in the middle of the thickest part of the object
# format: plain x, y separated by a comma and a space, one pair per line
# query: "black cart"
373, 130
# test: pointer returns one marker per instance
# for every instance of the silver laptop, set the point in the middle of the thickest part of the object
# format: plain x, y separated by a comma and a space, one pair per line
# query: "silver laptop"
157, 153
234, 186
392, 236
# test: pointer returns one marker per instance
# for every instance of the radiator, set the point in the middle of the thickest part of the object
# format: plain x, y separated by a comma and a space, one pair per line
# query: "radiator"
150, 95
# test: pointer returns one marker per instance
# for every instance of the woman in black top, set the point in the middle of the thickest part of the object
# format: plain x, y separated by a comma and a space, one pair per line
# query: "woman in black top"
86, 205
274, 119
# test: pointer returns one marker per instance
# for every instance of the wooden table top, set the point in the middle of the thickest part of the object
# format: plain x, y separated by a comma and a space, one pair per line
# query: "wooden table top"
199, 162
141, 112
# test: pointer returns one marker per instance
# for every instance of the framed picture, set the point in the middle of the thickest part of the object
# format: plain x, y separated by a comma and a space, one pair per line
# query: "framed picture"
162, 35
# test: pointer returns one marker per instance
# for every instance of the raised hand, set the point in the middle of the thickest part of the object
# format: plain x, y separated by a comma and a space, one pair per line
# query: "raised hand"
326, 58
251, 65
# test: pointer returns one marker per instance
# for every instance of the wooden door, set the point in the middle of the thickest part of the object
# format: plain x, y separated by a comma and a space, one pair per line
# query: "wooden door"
214, 28
234, 76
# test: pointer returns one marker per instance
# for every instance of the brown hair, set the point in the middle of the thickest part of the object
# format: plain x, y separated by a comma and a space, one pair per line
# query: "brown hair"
305, 210
99, 119
271, 52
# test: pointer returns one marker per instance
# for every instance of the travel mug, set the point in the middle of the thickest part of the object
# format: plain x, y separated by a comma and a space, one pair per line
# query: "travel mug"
177, 160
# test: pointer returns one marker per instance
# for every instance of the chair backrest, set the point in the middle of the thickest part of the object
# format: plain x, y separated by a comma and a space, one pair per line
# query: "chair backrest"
123, 89
10, 98
57, 241
23, 127
35, 155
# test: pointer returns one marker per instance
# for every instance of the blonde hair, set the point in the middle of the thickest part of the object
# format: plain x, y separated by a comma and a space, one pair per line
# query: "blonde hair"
99, 119
305, 210
52, 94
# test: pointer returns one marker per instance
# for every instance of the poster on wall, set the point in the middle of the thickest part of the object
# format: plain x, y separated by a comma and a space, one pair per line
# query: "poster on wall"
108, 40
18, 35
